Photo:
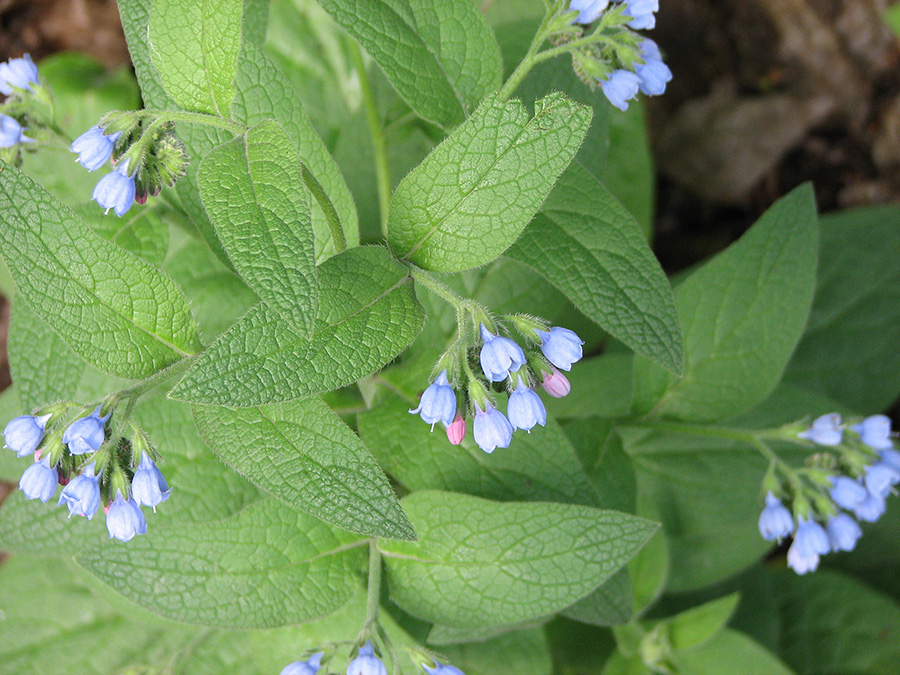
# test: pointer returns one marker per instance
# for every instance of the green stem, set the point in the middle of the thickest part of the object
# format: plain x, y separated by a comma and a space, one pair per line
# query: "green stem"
156, 379
331, 215
527, 63
192, 117
373, 598
438, 288
382, 169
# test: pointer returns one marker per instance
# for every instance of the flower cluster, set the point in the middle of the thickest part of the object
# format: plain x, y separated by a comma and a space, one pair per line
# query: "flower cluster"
365, 663
143, 160
856, 482
633, 70
505, 365
16, 79
92, 468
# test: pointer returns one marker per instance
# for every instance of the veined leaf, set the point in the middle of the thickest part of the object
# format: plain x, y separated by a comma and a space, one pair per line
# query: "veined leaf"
114, 309
470, 199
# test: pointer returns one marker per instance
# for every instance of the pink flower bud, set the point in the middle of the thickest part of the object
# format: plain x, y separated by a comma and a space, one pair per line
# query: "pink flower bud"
457, 430
556, 384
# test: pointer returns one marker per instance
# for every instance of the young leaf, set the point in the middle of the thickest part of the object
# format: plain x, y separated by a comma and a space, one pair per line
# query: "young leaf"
479, 563
194, 46
303, 454
592, 249
362, 292
542, 468
470, 199
441, 56
252, 188
742, 314
700, 624
235, 573
114, 309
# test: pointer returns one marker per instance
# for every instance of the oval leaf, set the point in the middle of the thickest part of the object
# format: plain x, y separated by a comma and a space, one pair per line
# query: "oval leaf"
115, 310
303, 454
479, 563
470, 199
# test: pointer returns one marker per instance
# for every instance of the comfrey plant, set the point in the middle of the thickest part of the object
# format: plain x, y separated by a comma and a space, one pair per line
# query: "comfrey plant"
283, 314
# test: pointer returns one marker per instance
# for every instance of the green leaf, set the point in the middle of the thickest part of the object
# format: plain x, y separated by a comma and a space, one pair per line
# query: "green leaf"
114, 309
730, 652
440, 55
742, 314
252, 190
143, 231
522, 651
700, 624
628, 173
263, 92
600, 386
135, 15
479, 563
11, 467
235, 574
362, 292
610, 604
194, 47
470, 199
849, 350
591, 248
543, 466
303, 454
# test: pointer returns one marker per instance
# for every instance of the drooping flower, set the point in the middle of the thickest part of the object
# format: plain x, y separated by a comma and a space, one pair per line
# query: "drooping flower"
825, 430
309, 667
620, 87
871, 508
23, 434
124, 519
457, 431
94, 147
500, 356
366, 663
875, 431
86, 434
846, 492
775, 521
82, 494
525, 408
880, 477
21, 73
39, 480
643, 13
438, 402
491, 429
11, 132
810, 542
115, 191
556, 384
442, 669
561, 346
148, 487
891, 458
843, 532
589, 10
653, 73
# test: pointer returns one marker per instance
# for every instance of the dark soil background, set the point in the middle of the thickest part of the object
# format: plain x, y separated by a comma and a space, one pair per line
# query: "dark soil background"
767, 94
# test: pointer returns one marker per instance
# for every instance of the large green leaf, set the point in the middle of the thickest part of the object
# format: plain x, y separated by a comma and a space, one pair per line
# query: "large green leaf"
849, 350
541, 467
367, 314
114, 309
591, 248
194, 46
303, 454
742, 314
479, 563
440, 55
234, 574
522, 651
470, 199
252, 190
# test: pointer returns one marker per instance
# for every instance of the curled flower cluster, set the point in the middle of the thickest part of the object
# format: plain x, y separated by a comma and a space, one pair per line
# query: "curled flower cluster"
858, 483
16, 78
365, 663
648, 73
79, 456
502, 360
